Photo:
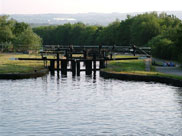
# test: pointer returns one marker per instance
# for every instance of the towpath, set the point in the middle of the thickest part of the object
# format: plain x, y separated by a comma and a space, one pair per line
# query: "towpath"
177, 70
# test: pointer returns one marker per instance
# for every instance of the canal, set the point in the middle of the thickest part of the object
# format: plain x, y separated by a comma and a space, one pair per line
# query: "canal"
52, 106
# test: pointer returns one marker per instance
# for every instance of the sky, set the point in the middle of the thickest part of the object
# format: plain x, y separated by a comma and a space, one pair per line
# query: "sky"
85, 6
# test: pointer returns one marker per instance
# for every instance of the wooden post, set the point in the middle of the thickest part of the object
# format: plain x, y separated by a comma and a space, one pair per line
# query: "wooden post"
73, 67
88, 67
71, 55
78, 67
52, 65
45, 61
64, 67
66, 54
102, 64
94, 61
57, 62
111, 56
103, 54
84, 54
70, 51
134, 49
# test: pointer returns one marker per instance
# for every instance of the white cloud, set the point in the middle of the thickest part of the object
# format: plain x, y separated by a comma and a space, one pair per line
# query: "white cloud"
1, 8
80, 6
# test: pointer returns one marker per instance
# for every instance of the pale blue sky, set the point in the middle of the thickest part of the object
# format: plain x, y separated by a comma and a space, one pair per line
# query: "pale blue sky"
84, 6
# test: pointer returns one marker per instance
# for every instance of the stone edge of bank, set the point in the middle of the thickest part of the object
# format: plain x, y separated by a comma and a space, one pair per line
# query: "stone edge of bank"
35, 74
146, 78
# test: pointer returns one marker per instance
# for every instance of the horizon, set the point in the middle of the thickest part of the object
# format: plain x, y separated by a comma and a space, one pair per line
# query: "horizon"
84, 6
93, 13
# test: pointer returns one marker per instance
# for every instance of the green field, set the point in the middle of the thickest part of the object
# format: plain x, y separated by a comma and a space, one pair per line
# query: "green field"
18, 66
135, 67
126, 66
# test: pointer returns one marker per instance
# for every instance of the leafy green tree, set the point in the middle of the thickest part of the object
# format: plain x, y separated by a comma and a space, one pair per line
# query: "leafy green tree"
17, 35
162, 47
111, 33
76, 31
124, 32
62, 34
160, 31
6, 34
19, 28
47, 33
27, 40
144, 28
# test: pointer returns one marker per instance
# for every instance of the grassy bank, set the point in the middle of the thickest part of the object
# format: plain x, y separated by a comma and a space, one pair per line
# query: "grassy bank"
126, 66
135, 67
7, 65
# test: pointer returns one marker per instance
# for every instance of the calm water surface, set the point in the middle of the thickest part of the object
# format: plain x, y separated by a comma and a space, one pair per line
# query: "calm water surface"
49, 106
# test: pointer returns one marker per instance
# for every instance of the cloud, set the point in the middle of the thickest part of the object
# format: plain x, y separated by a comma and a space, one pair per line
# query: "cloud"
83, 6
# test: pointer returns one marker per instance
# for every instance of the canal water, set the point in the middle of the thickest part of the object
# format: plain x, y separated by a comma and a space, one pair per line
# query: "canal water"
79, 106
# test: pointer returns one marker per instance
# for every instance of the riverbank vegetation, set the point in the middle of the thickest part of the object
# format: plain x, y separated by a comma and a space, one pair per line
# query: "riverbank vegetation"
162, 32
135, 67
17, 37
126, 66
10, 66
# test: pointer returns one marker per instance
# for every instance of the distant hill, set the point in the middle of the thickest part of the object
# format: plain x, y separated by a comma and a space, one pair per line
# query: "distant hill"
87, 18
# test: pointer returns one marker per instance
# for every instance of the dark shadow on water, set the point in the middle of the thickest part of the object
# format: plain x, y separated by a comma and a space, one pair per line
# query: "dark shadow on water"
58, 76
94, 77
52, 73
63, 76
179, 97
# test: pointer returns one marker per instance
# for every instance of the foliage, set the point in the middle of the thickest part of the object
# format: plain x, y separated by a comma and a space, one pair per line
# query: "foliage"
28, 40
144, 28
15, 36
168, 44
135, 67
16, 66
126, 66
162, 32
162, 47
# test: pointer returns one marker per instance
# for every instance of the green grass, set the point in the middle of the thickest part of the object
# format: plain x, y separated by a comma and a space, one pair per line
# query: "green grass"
123, 56
19, 66
168, 75
135, 67
126, 66
122, 66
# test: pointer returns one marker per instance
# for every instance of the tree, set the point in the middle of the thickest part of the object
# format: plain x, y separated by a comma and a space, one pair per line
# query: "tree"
19, 28
162, 32
162, 47
27, 40
6, 34
14, 34
144, 28
124, 32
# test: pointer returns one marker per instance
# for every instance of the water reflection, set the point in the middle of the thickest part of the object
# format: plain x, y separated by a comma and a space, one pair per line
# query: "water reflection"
178, 96
88, 105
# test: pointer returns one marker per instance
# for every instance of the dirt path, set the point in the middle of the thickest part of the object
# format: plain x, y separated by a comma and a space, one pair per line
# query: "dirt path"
177, 70
170, 70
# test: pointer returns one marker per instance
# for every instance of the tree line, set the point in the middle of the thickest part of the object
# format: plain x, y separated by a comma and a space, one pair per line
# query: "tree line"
15, 36
162, 32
